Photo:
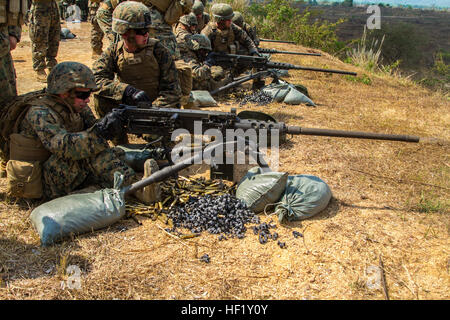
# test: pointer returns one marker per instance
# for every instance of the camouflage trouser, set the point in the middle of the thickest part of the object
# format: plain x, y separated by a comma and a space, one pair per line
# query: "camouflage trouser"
162, 31
8, 87
62, 176
45, 31
96, 32
96, 37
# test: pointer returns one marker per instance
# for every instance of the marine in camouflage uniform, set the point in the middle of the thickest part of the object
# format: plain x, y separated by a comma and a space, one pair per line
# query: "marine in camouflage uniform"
96, 31
198, 9
224, 35
227, 37
78, 150
11, 20
147, 74
44, 33
185, 28
238, 19
205, 76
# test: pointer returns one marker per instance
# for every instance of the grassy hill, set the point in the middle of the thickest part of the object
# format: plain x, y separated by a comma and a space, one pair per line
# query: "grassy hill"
390, 202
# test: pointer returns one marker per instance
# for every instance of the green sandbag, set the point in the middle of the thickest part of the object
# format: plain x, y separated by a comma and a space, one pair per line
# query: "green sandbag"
202, 98
76, 214
304, 197
287, 93
258, 189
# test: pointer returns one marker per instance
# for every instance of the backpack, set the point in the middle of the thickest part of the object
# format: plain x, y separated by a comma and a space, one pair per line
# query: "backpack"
12, 114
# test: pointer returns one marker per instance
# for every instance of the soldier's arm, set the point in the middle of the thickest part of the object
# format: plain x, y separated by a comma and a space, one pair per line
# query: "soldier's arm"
60, 142
243, 38
169, 84
104, 69
200, 71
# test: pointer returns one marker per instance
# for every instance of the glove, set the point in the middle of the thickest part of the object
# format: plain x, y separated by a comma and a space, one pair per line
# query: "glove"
111, 125
132, 96
210, 61
255, 53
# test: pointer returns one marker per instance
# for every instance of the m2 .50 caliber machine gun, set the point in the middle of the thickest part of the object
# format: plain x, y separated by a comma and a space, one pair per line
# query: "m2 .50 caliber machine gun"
266, 68
145, 119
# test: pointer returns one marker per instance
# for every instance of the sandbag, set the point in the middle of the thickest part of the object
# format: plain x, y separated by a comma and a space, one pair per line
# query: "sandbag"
304, 197
259, 189
76, 214
286, 93
202, 98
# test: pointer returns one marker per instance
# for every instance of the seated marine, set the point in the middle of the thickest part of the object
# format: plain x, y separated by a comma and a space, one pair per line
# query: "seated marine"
60, 132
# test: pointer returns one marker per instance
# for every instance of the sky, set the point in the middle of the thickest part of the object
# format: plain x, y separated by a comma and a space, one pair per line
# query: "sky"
437, 3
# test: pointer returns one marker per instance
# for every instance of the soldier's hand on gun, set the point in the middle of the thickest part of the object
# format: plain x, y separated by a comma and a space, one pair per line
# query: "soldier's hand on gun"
132, 96
210, 59
111, 125
255, 53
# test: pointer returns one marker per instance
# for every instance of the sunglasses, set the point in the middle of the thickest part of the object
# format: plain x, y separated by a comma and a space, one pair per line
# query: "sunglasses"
82, 94
140, 32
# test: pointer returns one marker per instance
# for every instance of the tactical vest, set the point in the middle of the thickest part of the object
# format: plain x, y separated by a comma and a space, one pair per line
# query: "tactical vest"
30, 149
223, 40
141, 69
13, 11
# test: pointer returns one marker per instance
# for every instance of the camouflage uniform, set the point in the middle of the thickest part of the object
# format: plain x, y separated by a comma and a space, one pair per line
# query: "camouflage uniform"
150, 69
96, 31
238, 20
199, 10
204, 76
11, 20
44, 32
228, 40
78, 154
104, 18
162, 31
181, 32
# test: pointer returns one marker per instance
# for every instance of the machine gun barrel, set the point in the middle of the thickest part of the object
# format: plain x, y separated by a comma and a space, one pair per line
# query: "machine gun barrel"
282, 65
277, 41
274, 51
237, 60
165, 120
350, 134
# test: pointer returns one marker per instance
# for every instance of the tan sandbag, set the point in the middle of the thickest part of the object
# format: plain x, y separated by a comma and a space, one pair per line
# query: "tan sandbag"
26, 149
24, 179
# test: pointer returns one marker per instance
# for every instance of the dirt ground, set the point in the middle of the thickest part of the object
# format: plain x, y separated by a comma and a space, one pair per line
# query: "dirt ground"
390, 208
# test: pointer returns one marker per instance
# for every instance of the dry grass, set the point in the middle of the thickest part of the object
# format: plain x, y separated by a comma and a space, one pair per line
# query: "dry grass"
391, 200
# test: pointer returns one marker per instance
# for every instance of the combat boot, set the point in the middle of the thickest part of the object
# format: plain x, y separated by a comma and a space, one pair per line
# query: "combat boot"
151, 193
41, 76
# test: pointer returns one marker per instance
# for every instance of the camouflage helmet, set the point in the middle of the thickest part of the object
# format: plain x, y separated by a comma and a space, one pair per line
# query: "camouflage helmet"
69, 75
238, 19
222, 11
130, 15
199, 41
189, 20
198, 7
